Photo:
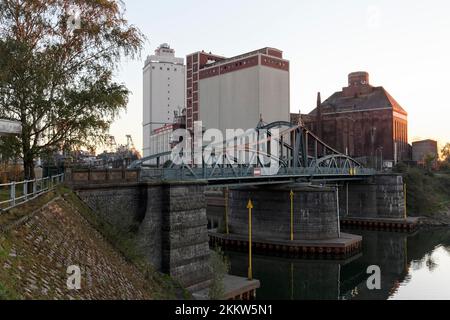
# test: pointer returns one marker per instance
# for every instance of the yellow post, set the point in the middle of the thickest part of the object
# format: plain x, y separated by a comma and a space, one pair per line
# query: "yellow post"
250, 267
405, 196
226, 212
292, 215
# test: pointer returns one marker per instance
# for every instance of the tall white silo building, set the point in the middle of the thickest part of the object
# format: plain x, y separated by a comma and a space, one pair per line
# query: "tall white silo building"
164, 96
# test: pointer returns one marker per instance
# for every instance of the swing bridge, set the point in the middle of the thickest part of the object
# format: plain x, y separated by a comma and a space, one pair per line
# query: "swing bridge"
293, 154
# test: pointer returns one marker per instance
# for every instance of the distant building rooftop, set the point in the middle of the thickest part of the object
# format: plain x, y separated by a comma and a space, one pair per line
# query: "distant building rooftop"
360, 96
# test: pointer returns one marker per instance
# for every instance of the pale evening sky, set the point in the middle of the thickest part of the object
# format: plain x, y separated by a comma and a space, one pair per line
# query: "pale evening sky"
404, 45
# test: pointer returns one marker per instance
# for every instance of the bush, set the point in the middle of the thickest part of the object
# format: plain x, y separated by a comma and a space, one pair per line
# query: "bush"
219, 266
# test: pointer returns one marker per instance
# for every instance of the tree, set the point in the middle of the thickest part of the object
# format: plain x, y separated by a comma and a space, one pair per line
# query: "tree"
430, 161
57, 65
446, 152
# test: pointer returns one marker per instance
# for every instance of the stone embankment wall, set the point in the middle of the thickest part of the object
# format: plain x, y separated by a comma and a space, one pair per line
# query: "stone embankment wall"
36, 253
168, 222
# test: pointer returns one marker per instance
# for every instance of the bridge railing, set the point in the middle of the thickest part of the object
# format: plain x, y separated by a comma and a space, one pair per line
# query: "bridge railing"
230, 173
15, 193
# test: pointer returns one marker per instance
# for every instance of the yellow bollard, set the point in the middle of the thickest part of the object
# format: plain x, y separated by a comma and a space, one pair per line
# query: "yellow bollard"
250, 267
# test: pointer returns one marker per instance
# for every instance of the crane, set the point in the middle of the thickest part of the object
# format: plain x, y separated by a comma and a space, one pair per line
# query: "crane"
130, 143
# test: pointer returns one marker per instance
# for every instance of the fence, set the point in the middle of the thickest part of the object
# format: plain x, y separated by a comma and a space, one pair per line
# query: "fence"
15, 193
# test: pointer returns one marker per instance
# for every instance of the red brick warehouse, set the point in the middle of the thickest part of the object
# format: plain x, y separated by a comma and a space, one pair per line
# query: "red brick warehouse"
362, 120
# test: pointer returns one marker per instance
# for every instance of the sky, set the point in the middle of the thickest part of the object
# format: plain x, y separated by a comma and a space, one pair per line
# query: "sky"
404, 45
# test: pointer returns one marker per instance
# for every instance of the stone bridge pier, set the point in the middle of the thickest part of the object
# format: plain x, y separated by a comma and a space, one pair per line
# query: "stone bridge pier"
378, 201
314, 221
315, 212
379, 197
166, 221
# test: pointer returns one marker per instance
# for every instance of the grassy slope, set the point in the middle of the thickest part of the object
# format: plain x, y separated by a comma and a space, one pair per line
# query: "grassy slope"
428, 193
161, 286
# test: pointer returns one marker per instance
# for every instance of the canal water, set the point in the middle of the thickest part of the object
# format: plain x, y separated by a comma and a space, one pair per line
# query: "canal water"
413, 266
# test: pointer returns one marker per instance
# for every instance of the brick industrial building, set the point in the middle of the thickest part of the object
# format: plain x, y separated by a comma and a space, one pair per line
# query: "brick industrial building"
234, 93
363, 121
423, 149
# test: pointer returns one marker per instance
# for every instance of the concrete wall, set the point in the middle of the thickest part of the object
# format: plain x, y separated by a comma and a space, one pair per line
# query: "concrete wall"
315, 213
167, 221
236, 100
230, 101
274, 94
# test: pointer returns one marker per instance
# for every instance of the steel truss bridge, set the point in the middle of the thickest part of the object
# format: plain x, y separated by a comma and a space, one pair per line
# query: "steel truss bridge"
294, 154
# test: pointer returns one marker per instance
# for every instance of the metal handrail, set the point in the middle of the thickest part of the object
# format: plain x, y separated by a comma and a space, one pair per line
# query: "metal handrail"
37, 186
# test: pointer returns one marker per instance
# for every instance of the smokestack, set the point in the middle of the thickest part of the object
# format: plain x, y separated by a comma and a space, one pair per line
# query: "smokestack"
319, 115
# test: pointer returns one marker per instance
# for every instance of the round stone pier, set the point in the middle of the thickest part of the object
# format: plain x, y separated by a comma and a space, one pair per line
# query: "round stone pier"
315, 213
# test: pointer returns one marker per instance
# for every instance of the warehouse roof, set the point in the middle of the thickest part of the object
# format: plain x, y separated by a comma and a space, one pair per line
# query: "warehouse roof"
375, 98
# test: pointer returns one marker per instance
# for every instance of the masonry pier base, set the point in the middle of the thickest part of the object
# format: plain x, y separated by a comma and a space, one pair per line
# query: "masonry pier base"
376, 203
167, 222
312, 229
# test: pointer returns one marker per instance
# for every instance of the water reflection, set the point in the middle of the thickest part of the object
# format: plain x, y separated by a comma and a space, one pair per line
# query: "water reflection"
412, 267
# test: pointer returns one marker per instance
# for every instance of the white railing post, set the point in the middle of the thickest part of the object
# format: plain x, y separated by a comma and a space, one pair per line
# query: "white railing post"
38, 187
25, 189
34, 187
13, 193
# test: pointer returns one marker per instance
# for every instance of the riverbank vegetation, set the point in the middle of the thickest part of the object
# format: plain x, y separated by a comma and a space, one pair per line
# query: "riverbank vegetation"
428, 191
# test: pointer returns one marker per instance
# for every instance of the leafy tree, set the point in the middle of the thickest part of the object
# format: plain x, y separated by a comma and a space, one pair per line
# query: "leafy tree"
430, 161
446, 152
57, 65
